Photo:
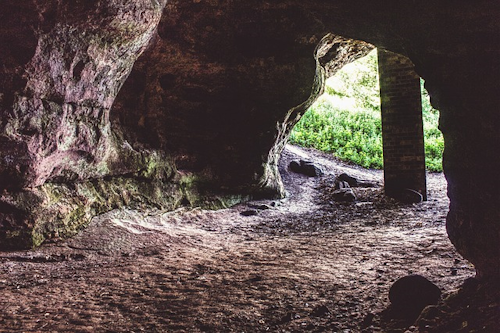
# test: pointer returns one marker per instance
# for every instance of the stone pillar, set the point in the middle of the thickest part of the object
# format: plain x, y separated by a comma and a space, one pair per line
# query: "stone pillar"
402, 127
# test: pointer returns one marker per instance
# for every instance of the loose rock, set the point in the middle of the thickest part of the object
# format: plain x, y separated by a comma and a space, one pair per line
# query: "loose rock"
261, 207
307, 168
344, 177
344, 194
250, 212
411, 294
341, 185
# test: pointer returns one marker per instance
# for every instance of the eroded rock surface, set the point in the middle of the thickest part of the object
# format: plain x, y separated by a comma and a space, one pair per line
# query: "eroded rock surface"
62, 65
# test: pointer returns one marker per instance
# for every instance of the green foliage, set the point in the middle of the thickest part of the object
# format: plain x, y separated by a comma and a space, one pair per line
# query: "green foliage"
346, 121
351, 136
358, 82
434, 141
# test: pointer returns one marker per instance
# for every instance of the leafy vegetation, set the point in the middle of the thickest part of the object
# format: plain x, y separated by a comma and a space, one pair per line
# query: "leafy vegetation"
346, 120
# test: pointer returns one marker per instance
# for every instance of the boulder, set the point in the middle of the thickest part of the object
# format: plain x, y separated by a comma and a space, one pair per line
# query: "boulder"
411, 294
353, 182
307, 168
344, 195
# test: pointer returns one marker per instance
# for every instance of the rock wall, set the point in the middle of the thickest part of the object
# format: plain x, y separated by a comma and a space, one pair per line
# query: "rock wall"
209, 105
63, 64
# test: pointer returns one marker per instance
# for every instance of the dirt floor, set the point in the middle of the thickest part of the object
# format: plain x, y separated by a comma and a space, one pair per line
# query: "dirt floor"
301, 264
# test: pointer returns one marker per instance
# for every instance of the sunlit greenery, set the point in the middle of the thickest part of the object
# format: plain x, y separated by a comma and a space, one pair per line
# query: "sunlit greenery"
346, 121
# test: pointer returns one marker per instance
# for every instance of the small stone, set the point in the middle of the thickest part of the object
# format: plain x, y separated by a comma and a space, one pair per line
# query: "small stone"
320, 311
344, 195
250, 212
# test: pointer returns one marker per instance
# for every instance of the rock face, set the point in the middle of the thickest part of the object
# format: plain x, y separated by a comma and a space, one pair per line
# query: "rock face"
209, 105
55, 110
62, 68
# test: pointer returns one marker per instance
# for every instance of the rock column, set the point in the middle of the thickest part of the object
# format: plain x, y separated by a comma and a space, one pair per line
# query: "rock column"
403, 138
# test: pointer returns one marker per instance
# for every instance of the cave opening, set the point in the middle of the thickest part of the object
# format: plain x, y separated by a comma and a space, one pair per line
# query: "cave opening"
348, 121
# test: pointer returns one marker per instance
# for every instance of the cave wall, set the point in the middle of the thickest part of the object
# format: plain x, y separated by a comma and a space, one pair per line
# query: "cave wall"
183, 131
62, 64
208, 106
222, 85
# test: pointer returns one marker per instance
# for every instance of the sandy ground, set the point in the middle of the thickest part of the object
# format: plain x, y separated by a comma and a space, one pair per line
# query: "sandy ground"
301, 264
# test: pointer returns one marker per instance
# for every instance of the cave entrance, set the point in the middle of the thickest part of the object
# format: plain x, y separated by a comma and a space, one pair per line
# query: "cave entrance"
375, 113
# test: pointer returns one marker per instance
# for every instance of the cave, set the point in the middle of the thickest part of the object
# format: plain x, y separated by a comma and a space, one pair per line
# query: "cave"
167, 104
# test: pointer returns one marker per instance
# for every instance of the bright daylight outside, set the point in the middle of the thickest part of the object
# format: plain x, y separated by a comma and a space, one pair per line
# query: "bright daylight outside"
346, 121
